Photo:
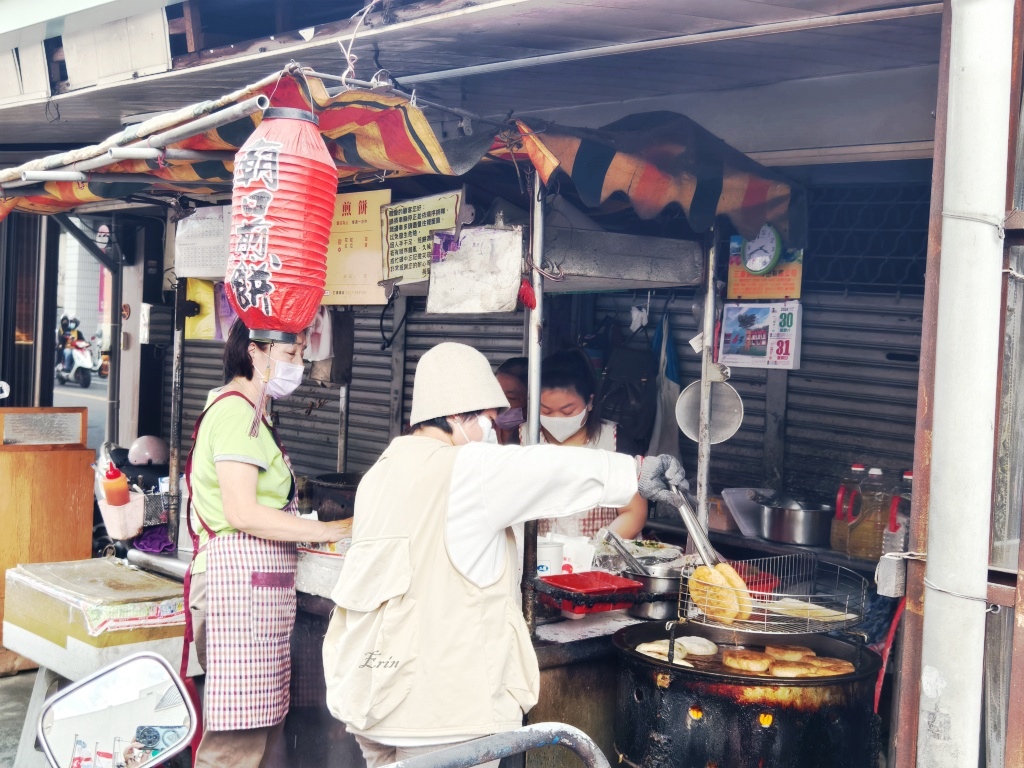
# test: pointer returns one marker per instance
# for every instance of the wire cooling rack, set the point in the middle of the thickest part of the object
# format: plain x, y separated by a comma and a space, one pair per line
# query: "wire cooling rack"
789, 594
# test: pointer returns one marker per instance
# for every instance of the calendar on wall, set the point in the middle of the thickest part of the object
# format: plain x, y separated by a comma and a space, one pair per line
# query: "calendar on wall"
760, 335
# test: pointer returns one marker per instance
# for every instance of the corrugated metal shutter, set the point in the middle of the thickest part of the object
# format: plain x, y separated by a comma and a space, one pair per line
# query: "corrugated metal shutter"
370, 392
204, 370
311, 440
739, 461
854, 398
499, 336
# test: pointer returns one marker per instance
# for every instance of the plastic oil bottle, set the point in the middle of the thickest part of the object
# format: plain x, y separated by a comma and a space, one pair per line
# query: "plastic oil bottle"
847, 504
867, 530
898, 527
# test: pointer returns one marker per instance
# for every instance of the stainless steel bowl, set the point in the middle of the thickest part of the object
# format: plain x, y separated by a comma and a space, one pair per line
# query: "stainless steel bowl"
662, 579
809, 525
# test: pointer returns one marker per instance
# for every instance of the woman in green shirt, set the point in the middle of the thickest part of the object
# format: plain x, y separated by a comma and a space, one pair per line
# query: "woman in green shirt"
241, 586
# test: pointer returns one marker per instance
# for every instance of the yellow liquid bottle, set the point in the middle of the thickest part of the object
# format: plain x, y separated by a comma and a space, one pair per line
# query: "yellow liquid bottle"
867, 530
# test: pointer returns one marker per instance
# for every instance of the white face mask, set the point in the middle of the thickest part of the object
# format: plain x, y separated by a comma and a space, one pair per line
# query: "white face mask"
286, 379
486, 429
489, 435
561, 428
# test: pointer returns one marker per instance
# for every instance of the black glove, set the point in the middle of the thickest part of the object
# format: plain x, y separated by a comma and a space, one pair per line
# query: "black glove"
657, 476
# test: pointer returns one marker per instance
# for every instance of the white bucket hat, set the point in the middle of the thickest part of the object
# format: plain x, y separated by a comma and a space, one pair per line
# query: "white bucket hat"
453, 378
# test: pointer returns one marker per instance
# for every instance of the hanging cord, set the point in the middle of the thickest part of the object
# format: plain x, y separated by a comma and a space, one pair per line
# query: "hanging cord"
989, 608
350, 58
261, 401
385, 341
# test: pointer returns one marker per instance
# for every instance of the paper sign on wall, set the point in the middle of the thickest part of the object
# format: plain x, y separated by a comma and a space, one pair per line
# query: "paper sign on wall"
355, 249
477, 272
408, 233
761, 335
201, 243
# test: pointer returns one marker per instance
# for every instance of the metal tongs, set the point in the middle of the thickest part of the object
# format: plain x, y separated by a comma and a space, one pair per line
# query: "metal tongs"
697, 533
634, 565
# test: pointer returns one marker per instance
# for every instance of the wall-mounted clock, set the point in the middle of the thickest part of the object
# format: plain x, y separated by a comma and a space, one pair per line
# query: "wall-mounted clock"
761, 253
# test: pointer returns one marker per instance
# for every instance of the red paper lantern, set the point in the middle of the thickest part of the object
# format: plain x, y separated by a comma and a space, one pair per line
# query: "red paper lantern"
282, 205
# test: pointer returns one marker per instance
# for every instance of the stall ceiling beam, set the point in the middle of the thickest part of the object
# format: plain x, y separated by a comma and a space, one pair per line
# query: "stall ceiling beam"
86, 242
699, 38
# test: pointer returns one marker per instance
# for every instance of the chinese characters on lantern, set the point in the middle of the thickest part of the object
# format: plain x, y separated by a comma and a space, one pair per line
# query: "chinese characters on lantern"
253, 278
355, 248
409, 229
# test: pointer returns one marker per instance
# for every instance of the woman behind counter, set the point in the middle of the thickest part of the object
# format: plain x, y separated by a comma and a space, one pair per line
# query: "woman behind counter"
241, 586
569, 416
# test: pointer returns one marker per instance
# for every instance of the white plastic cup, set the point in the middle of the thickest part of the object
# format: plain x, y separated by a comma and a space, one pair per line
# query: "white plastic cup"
549, 557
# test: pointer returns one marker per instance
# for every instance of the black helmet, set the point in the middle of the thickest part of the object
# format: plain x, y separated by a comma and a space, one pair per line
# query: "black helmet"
73, 323
63, 320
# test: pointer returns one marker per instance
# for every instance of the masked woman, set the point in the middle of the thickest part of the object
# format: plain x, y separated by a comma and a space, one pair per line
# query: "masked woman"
512, 376
427, 646
241, 586
569, 416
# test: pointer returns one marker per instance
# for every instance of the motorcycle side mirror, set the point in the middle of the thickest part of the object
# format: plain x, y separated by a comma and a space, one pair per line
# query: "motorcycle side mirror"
5, 390
133, 713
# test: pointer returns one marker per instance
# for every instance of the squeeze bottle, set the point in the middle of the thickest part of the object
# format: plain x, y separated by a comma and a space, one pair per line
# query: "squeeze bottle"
115, 487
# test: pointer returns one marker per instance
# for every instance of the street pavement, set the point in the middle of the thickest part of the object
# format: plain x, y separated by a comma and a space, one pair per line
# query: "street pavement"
94, 398
15, 692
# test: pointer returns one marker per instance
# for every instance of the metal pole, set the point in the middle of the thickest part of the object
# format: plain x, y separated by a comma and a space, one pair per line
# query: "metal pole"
177, 383
533, 354
502, 745
180, 133
741, 33
114, 377
706, 362
967, 358
343, 428
907, 685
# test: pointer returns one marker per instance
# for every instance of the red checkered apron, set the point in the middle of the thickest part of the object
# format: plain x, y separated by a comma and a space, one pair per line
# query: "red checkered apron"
250, 614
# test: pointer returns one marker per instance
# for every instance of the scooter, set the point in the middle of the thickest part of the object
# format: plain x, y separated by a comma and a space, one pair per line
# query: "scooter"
136, 713
81, 366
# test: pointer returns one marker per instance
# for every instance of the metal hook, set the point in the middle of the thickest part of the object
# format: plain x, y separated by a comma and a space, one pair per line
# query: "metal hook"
466, 125
390, 286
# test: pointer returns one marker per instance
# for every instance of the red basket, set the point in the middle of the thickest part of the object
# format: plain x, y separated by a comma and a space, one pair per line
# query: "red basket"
590, 583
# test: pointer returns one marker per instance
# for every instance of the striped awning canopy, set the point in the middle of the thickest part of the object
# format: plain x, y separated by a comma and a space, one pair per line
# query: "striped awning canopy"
653, 160
656, 159
372, 135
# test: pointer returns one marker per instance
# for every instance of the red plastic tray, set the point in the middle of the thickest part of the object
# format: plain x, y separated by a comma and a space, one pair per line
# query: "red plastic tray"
590, 583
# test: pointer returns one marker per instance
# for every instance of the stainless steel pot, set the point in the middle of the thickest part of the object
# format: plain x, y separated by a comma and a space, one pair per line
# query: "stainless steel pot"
809, 525
663, 580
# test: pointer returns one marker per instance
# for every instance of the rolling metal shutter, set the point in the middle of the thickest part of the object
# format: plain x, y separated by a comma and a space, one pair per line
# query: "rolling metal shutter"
738, 462
311, 439
499, 336
370, 391
854, 398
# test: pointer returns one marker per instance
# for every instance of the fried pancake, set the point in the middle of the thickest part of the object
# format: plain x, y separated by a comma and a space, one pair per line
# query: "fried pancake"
712, 595
828, 666
698, 646
788, 652
744, 603
748, 661
793, 669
